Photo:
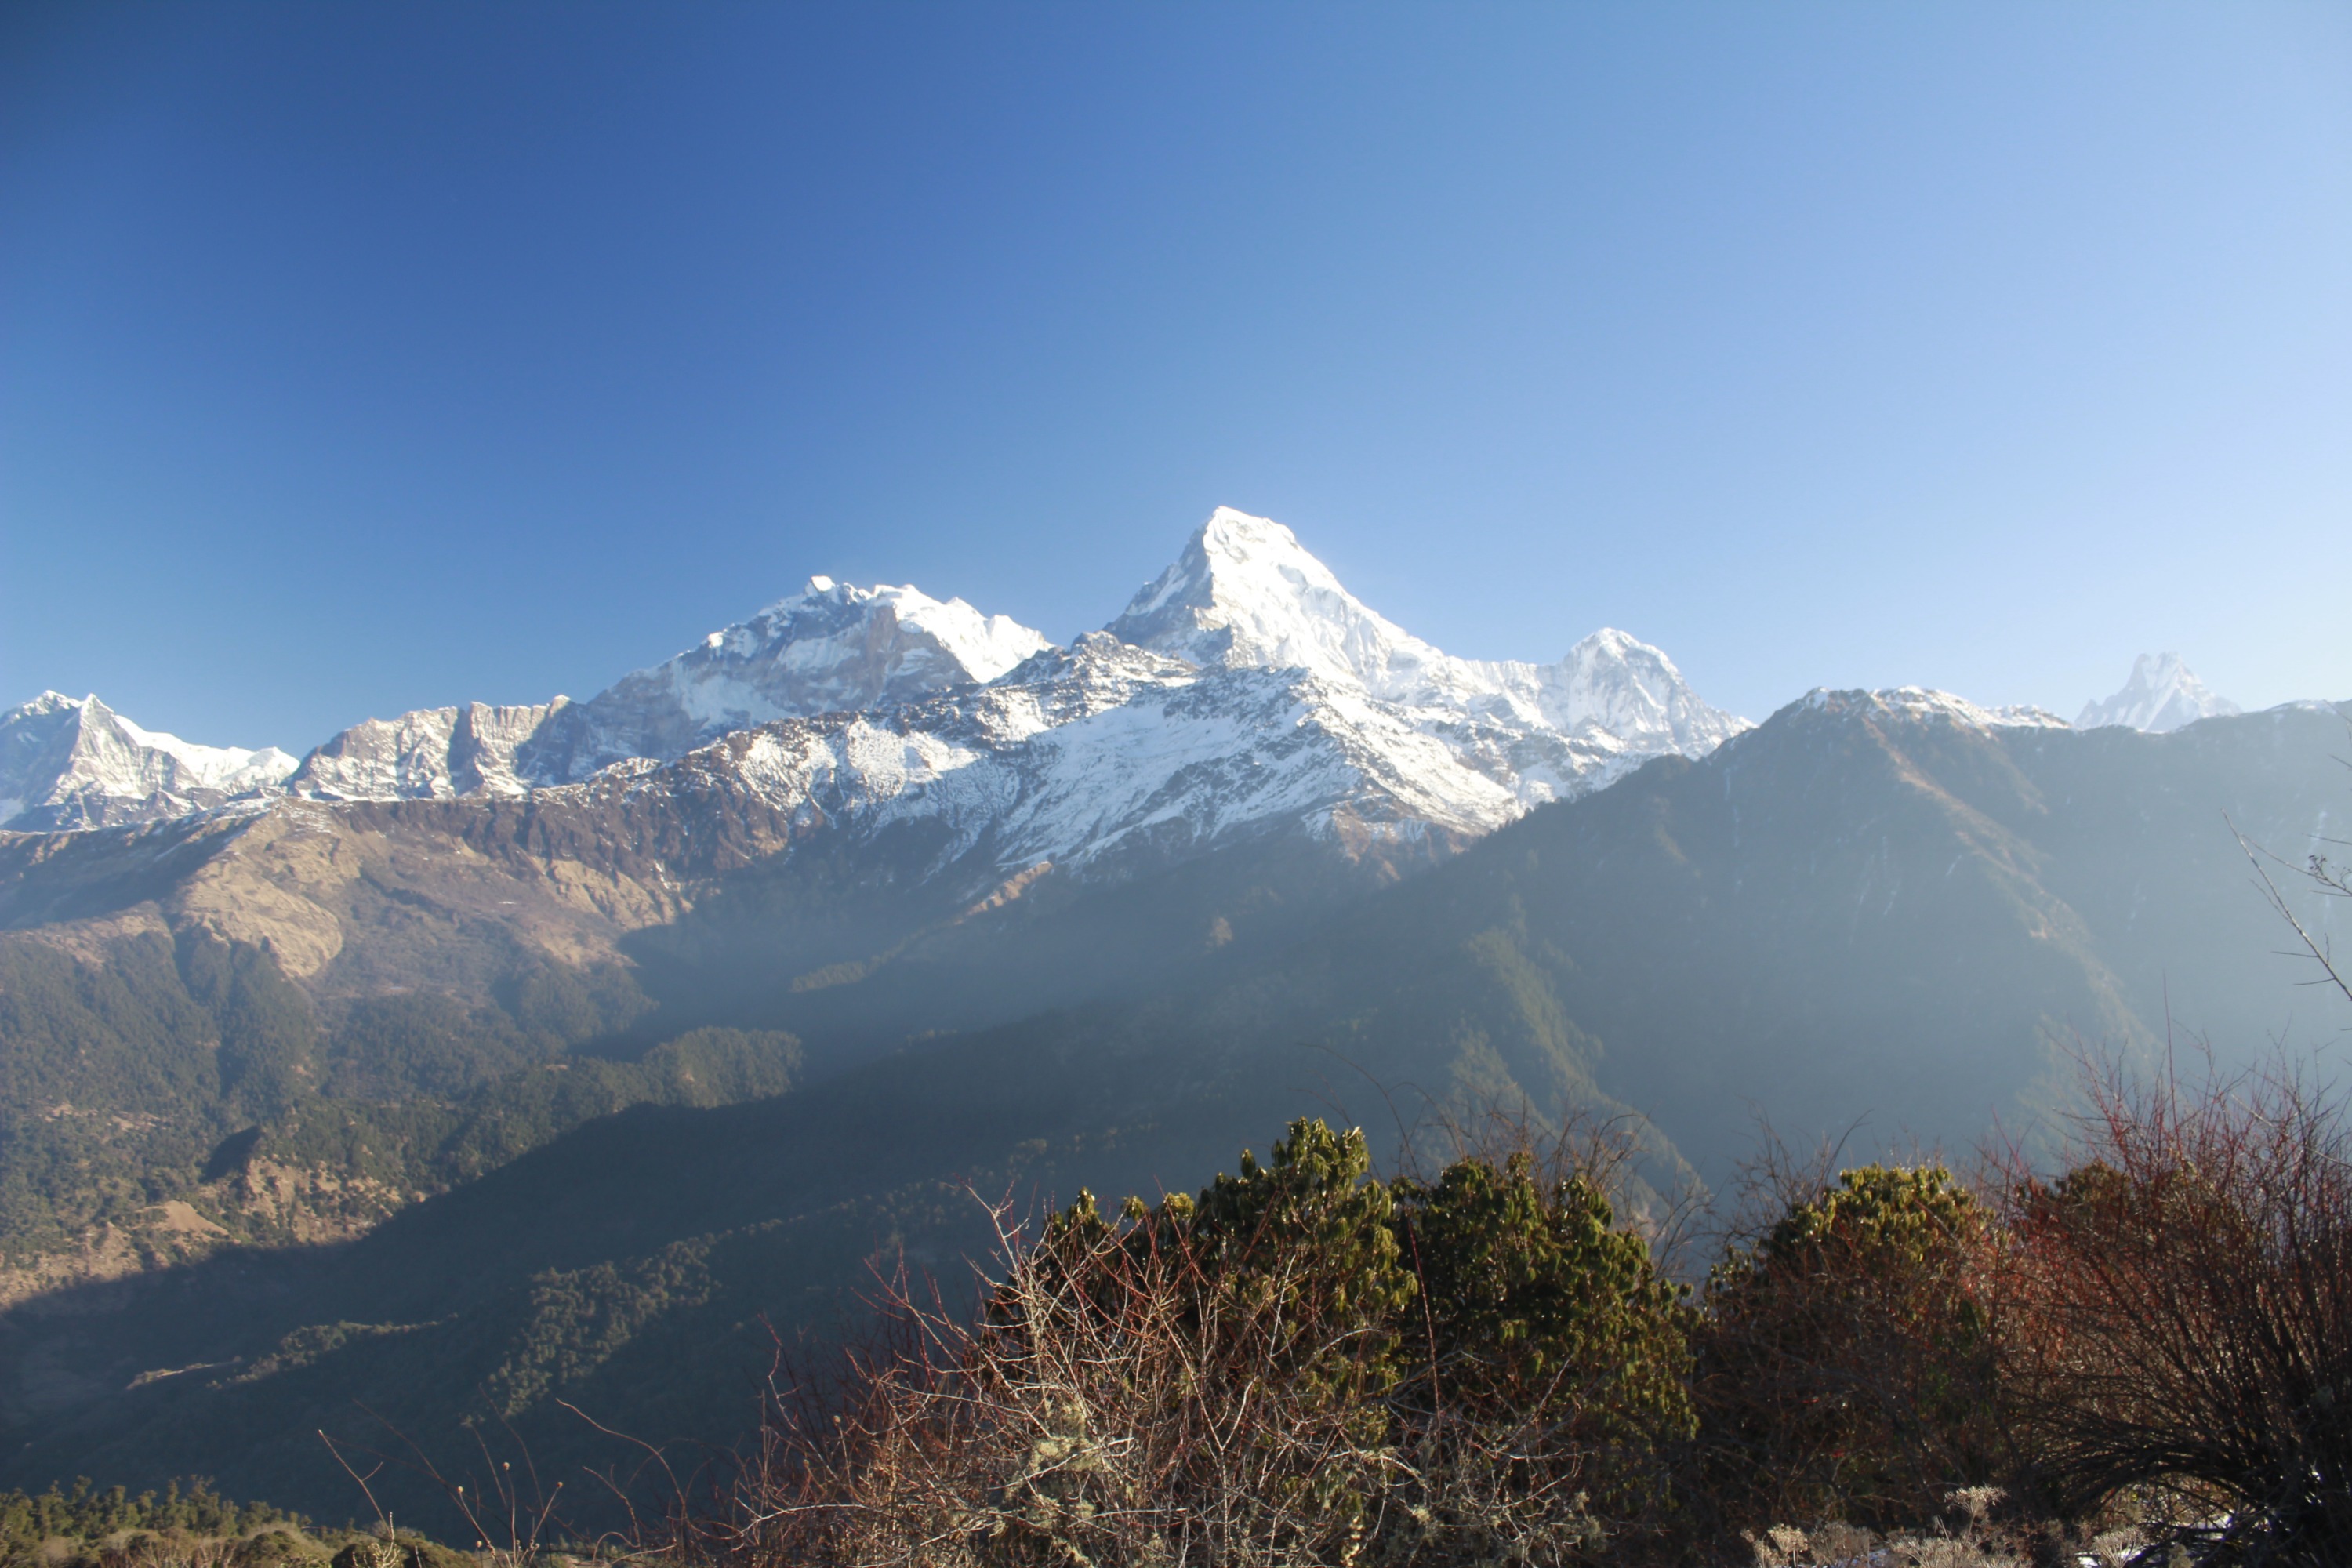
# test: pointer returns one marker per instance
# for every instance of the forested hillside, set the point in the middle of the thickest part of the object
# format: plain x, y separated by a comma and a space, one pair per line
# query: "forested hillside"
175, 1097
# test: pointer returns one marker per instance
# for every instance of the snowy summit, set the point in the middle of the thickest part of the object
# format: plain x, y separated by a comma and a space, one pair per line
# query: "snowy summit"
67, 762
1246, 593
2162, 695
1243, 692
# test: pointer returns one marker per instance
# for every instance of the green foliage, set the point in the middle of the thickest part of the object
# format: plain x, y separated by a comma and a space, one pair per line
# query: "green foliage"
432, 1145
266, 1025
1536, 1303
1518, 1311
576, 1320
86, 1517
189, 1523
110, 1090
416, 1046
1848, 1363
572, 1005
1308, 1233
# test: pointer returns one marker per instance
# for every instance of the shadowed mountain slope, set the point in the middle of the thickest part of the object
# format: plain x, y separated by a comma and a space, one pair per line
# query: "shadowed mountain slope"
1890, 906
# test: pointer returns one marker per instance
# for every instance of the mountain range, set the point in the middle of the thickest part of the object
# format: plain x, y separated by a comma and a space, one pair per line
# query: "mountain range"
1243, 699
66, 764
1461, 744
1243, 595
490, 1058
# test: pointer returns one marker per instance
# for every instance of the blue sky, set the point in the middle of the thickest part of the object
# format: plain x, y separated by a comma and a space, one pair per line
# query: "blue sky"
356, 358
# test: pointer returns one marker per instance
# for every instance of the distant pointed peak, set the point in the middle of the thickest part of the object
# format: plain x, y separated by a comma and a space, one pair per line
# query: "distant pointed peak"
2162, 694
1617, 644
1234, 541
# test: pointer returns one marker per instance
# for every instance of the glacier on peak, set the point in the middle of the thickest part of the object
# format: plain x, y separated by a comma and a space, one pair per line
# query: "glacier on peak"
69, 762
2161, 695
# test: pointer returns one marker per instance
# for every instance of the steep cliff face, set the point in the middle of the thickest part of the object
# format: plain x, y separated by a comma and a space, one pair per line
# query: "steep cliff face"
431, 754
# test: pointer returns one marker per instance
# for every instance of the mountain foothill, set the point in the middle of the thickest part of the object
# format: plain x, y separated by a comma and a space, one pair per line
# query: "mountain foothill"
519, 1059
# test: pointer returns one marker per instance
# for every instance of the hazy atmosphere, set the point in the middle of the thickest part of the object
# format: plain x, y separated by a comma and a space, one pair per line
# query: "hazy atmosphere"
358, 359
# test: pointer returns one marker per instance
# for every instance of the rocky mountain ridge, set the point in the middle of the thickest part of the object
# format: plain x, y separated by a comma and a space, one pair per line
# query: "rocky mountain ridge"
1245, 689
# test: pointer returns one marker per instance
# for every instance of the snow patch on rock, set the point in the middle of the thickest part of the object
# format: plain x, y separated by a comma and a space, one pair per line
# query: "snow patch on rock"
1925, 705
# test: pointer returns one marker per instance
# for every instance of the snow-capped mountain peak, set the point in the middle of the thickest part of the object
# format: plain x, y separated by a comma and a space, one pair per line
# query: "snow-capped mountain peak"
867, 641
75, 762
831, 648
2162, 695
1246, 593
1245, 692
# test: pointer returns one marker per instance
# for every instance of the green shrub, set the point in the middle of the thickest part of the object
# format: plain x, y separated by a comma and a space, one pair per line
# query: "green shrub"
1538, 1310
1847, 1369
86, 1518
1301, 1364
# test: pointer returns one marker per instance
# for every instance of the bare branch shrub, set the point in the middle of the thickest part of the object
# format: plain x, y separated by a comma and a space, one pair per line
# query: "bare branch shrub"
1260, 1377
2182, 1315
2324, 872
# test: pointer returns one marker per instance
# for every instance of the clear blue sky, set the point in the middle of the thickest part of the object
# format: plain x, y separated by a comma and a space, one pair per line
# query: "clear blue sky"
358, 357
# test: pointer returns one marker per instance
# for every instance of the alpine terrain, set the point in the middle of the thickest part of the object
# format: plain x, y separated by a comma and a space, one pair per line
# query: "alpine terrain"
844, 783
512, 1061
